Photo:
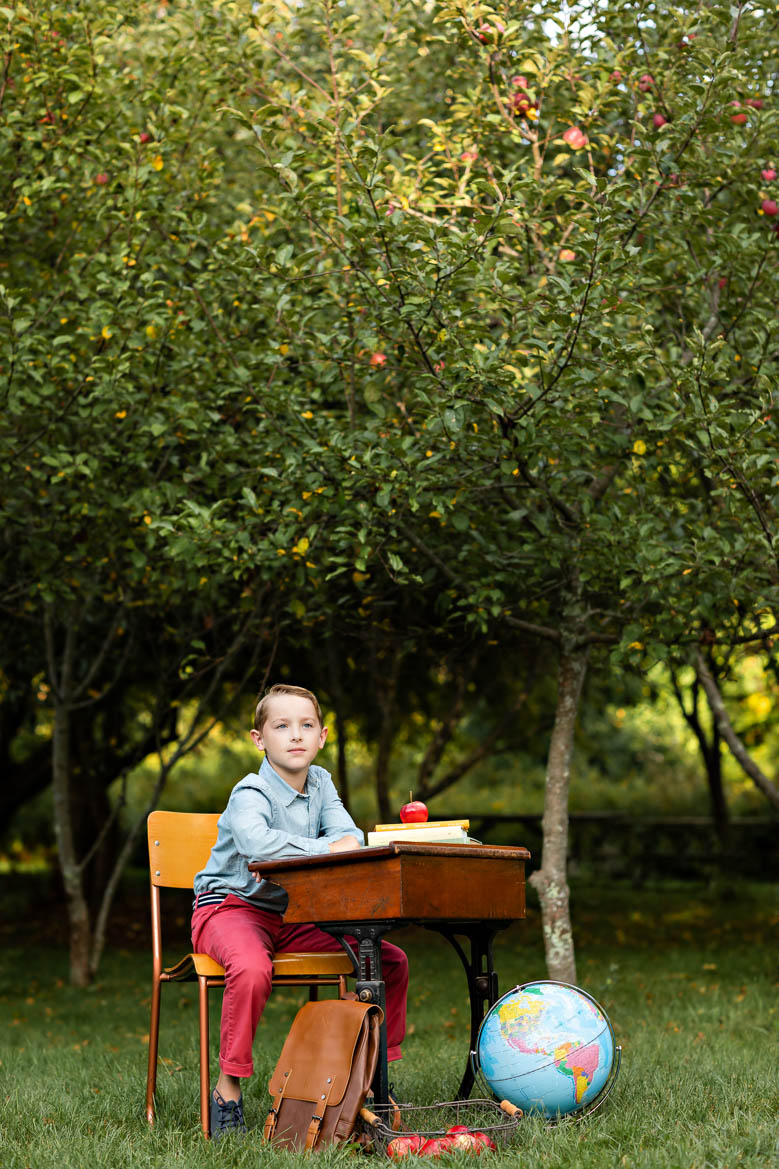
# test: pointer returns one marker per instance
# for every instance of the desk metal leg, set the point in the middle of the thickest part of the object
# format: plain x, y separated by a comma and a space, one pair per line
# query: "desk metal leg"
482, 981
369, 985
479, 970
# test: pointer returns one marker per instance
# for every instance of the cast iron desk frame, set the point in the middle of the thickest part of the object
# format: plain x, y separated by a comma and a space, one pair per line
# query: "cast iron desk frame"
368, 932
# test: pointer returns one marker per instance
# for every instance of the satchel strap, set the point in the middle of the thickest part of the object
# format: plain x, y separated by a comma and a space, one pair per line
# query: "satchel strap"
318, 1115
273, 1115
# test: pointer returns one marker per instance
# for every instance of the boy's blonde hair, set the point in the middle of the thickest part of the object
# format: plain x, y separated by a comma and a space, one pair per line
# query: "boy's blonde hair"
261, 710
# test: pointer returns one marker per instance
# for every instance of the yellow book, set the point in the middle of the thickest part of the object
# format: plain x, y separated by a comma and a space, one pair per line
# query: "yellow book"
423, 824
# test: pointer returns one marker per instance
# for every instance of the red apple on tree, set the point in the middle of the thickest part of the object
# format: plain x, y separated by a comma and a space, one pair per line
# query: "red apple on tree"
489, 32
575, 138
769, 207
414, 812
524, 106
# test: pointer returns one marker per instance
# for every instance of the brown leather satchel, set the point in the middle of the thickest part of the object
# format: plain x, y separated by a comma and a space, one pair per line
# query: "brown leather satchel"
323, 1074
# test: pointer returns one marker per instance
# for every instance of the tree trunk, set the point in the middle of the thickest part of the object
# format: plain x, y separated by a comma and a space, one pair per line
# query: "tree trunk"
337, 695
96, 837
387, 689
739, 751
78, 856
342, 765
719, 805
711, 753
383, 755
550, 881
72, 874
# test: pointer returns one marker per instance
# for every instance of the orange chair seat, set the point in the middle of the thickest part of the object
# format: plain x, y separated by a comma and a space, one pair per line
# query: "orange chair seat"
286, 964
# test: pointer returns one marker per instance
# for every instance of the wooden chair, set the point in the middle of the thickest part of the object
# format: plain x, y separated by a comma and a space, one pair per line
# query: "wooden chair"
179, 846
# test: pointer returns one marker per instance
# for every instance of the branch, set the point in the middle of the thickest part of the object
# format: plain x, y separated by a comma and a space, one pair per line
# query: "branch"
99, 659
573, 334
544, 631
485, 748
188, 740
445, 733
432, 556
558, 504
739, 751
600, 486
733, 34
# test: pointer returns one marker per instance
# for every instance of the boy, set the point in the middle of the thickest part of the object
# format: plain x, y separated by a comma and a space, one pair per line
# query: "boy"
291, 808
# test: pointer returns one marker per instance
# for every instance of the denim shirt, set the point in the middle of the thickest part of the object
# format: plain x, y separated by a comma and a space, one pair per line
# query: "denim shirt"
266, 819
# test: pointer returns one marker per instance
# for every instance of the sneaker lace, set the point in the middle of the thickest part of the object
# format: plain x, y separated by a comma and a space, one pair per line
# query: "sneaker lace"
230, 1113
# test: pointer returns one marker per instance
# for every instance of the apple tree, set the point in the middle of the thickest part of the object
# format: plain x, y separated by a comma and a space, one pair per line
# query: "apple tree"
113, 187
457, 311
521, 266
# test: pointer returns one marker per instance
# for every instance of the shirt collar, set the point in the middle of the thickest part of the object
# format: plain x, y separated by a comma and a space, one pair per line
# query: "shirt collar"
285, 791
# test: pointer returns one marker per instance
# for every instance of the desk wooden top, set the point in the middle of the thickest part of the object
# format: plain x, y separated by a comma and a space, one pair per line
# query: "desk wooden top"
403, 882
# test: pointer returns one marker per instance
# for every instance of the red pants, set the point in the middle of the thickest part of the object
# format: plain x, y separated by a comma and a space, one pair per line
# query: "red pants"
243, 939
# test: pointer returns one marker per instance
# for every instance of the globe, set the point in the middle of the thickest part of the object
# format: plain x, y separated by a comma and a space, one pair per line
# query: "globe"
548, 1048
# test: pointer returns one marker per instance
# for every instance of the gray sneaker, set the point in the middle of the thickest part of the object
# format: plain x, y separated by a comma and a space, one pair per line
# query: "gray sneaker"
226, 1117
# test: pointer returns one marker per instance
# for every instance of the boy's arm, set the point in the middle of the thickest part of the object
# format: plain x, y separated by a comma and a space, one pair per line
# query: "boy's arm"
257, 838
335, 824
345, 844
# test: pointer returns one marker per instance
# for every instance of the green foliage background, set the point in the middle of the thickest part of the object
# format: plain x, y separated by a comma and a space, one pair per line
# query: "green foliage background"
320, 319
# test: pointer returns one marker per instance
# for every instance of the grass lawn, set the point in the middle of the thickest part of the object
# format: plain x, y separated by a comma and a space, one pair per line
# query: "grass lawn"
688, 976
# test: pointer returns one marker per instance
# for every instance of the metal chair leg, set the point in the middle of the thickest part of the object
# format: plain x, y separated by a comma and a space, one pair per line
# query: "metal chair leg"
205, 1087
154, 1038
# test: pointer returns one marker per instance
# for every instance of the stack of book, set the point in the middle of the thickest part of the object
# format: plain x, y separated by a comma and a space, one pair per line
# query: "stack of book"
429, 832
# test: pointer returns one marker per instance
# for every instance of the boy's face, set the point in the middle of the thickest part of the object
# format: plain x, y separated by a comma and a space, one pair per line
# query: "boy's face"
290, 737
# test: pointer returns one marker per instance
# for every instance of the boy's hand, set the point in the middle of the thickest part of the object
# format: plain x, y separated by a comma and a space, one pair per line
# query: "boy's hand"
345, 844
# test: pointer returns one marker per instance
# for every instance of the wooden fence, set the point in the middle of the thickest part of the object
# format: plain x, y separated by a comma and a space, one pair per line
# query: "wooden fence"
621, 845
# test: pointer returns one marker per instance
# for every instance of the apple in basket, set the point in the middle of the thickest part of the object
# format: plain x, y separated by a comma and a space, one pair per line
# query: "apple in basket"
485, 1141
435, 1147
402, 1146
459, 1136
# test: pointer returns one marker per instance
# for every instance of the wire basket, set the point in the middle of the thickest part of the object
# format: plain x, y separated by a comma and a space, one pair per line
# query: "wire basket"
382, 1125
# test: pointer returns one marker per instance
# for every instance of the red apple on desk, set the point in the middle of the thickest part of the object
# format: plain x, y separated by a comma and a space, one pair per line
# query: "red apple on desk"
414, 812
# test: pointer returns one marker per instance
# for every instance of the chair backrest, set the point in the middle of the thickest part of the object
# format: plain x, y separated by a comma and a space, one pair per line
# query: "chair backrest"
180, 844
